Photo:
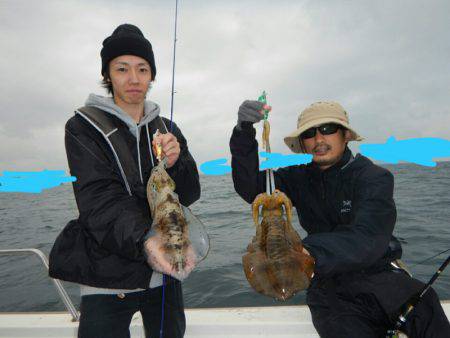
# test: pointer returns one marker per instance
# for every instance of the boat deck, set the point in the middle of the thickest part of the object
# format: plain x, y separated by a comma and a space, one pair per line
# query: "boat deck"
248, 322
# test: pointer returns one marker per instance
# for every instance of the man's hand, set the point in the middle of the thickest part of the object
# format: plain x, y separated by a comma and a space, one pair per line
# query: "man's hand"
251, 111
158, 259
155, 255
170, 147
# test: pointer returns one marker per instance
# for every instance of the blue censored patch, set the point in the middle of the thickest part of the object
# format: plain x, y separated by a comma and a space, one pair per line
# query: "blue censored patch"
276, 160
420, 151
215, 167
273, 160
33, 182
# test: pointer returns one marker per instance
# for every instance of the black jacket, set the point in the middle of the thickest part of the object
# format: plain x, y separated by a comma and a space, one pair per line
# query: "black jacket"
103, 247
347, 210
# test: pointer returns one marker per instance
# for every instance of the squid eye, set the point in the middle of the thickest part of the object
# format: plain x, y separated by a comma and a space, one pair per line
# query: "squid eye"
154, 187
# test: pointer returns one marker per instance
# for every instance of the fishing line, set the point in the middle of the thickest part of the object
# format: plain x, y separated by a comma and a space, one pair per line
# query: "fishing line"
427, 259
162, 306
270, 181
171, 127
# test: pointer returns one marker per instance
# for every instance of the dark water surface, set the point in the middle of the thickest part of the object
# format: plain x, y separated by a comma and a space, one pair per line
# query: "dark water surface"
34, 220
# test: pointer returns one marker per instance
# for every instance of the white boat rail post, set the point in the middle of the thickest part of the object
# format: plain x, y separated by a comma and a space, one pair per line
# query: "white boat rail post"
62, 292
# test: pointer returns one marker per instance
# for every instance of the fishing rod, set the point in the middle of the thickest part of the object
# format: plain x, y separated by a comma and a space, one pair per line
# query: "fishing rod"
173, 65
161, 328
410, 305
427, 259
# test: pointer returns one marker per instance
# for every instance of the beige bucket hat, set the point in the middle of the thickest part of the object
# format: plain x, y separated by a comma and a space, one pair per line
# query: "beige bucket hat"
316, 114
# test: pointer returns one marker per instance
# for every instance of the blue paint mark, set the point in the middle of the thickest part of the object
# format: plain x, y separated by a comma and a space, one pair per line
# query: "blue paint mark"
277, 160
33, 182
420, 151
215, 167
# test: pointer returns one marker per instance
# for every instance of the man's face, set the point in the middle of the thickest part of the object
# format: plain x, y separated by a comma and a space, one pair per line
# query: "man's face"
327, 150
130, 76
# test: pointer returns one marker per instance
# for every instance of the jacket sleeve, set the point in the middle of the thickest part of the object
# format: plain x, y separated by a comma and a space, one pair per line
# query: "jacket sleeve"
247, 179
111, 217
360, 244
184, 172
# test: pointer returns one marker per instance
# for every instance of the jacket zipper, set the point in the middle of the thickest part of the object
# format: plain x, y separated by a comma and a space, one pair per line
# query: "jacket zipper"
322, 184
139, 154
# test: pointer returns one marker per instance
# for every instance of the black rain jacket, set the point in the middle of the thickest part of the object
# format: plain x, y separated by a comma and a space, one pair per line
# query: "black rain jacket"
347, 210
104, 246
349, 214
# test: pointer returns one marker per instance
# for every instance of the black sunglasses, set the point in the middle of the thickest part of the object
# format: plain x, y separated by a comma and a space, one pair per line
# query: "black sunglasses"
325, 129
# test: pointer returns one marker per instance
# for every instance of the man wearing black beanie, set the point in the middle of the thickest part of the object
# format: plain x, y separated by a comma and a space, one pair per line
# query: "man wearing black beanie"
126, 39
109, 151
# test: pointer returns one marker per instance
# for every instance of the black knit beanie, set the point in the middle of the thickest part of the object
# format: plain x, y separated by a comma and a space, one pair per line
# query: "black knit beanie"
127, 40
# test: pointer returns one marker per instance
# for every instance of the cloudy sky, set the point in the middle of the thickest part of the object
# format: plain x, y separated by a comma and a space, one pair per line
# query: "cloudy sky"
386, 62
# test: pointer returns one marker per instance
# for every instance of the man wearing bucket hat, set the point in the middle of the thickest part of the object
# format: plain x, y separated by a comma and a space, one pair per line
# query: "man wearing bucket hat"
345, 204
109, 150
329, 114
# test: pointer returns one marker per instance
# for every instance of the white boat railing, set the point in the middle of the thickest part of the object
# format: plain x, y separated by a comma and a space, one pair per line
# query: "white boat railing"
59, 287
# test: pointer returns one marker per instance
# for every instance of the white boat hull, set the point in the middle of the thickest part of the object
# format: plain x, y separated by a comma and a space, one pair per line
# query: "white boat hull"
248, 322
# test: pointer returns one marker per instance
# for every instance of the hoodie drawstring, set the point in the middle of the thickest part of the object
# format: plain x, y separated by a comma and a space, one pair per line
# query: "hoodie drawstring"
149, 146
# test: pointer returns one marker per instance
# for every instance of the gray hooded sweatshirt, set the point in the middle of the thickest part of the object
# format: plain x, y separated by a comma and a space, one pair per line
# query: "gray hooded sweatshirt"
151, 111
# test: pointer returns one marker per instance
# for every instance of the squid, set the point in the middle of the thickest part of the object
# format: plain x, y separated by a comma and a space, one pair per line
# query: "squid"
275, 264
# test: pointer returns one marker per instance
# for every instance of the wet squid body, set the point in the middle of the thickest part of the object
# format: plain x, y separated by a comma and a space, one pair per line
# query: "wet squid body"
275, 264
171, 252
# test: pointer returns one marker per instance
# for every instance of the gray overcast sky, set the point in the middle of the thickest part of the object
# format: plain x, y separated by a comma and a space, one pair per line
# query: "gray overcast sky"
386, 62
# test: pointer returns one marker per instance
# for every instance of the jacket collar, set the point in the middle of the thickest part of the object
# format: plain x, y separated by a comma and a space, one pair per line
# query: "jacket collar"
346, 159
